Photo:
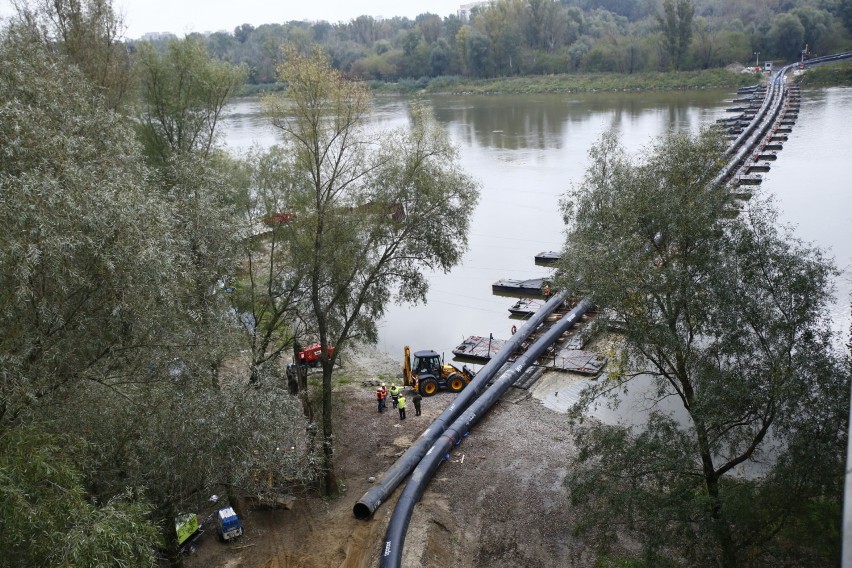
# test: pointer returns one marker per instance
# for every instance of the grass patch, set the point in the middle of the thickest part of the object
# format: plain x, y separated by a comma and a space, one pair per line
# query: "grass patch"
587, 82
827, 75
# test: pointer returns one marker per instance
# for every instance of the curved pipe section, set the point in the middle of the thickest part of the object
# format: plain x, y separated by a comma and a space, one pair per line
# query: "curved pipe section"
391, 554
744, 145
372, 499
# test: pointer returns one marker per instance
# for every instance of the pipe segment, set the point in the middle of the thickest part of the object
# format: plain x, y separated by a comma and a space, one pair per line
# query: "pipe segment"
391, 553
375, 496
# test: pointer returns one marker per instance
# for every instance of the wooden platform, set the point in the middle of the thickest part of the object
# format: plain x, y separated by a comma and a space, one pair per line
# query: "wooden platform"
577, 361
547, 258
525, 307
532, 288
479, 349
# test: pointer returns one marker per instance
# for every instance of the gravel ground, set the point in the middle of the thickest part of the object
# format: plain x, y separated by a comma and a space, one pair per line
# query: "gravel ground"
500, 500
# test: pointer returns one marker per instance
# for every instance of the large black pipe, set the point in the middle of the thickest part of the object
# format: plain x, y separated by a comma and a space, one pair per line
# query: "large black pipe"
391, 553
376, 495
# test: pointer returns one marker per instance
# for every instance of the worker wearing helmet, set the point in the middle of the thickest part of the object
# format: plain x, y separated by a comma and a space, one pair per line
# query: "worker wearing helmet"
394, 392
380, 399
401, 407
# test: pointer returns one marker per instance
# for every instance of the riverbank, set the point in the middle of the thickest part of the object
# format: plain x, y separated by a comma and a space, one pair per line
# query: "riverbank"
577, 83
830, 75
731, 77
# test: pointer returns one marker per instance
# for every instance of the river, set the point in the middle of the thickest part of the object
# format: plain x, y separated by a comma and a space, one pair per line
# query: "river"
527, 151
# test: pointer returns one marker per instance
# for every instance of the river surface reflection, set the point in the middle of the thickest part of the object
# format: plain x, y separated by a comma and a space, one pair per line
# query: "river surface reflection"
527, 151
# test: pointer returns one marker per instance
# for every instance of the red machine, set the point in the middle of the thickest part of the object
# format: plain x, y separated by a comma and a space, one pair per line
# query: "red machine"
310, 355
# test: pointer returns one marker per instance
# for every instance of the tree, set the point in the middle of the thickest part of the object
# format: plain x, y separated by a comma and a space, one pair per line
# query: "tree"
546, 24
269, 292
373, 212
242, 33
177, 441
816, 24
676, 25
430, 27
87, 259
109, 310
183, 93
477, 49
728, 318
440, 58
706, 43
787, 36
88, 33
48, 519
502, 23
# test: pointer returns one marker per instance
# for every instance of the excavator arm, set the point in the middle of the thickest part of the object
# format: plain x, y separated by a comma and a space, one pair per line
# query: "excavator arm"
406, 367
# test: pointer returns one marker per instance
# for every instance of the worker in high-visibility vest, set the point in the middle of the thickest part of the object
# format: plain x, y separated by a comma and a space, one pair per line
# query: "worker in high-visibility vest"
401, 407
394, 392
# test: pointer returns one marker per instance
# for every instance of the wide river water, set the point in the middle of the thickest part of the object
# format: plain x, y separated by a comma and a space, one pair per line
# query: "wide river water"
527, 151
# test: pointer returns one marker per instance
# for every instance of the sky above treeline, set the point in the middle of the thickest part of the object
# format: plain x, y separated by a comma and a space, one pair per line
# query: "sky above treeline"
186, 16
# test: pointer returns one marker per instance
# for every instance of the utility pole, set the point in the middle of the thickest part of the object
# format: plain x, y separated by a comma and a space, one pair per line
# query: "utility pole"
756, 58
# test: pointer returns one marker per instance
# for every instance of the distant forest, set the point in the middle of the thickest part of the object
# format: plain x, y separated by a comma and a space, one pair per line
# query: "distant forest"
505, 38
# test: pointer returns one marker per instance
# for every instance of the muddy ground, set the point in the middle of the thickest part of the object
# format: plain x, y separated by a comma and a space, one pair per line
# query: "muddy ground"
498, 501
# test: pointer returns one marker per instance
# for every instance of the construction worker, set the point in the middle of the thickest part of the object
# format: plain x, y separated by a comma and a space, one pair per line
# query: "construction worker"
416, 400
394, 392
380, 399
401, 403
384, 396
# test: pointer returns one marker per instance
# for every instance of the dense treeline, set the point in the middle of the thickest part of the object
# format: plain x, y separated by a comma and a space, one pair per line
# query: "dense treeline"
530, 37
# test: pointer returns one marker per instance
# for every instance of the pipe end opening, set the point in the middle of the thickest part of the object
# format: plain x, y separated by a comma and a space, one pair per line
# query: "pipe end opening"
362, 511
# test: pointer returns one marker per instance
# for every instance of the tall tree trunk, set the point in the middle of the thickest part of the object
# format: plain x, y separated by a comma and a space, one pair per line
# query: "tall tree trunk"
329, 479
721, 527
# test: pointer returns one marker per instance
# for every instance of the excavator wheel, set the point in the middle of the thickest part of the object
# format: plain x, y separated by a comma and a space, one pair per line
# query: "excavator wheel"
428, 387
455, 382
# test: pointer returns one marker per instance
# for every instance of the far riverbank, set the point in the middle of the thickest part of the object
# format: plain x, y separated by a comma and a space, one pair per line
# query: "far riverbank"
732, 77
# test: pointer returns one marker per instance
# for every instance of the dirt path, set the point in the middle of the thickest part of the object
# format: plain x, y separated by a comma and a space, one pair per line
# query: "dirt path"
498, 501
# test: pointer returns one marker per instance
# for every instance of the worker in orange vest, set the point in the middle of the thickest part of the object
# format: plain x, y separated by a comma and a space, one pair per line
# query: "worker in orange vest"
380, 399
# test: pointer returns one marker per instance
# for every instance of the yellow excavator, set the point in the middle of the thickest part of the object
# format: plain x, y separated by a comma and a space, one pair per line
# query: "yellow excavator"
427, 373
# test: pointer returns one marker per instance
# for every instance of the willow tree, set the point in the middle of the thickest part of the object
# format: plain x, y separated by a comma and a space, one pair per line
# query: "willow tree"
87, 257
269, 290
183, 92
89, 33
85, 293
374, 211
726, 318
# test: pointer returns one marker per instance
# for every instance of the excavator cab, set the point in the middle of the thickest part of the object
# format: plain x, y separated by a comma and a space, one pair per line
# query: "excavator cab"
427, 362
